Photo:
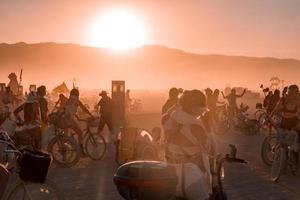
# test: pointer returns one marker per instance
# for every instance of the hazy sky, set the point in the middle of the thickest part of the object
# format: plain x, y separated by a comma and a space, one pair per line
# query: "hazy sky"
235, 27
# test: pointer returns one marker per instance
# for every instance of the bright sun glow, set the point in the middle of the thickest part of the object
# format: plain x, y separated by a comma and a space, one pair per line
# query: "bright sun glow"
119, 30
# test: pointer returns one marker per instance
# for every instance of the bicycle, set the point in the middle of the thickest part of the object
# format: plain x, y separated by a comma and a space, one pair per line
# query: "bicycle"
135, 144
64, 149
21, 186
94, 143
283, 155
218, 172
270, 141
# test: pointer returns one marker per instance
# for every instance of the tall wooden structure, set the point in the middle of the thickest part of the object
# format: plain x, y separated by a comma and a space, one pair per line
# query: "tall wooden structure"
118, 97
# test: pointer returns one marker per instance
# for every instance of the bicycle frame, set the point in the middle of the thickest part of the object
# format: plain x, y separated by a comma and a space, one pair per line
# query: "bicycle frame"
218, 190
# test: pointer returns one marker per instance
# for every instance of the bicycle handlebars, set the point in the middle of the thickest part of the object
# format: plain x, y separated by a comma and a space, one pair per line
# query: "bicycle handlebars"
231, 157
236, 160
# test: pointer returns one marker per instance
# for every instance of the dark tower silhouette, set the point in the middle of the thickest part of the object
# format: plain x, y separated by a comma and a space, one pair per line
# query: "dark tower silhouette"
118, 97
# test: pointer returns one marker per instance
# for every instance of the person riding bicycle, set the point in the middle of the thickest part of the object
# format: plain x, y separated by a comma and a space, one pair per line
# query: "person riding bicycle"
71, 109
273, 101
62, 100
189, 145
32, 118
267, 99
232, 101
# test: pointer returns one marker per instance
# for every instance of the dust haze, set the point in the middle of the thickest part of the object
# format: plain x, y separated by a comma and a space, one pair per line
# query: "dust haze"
148, 71
146, 68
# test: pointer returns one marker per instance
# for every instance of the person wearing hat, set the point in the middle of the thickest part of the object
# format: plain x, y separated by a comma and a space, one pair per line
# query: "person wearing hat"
106, 106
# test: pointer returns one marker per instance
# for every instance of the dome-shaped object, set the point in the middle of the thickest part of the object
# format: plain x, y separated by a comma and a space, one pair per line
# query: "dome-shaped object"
146, 180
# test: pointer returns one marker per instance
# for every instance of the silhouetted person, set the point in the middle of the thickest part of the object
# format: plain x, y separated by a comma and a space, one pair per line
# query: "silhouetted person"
172, 100
41, 93
62, 100
8, 97
284, 92
274, 99
215, 103
216, 95
71, 109
106, 108
31, 111
267, 99
232, 101
13, 83
210, 105
289, 107
127, 101
209, 97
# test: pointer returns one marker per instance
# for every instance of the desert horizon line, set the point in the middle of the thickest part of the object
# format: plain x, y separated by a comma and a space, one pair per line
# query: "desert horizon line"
150, 45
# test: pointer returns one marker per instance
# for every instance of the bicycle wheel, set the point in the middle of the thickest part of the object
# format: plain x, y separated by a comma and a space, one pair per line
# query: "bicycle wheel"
268, 149
95, 146
278, 162
64, 150
32, 191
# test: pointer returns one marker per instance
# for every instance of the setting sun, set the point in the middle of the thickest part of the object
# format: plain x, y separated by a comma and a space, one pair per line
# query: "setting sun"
118, 30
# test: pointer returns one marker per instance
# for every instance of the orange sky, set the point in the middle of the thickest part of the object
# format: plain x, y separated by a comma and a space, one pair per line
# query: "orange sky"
245, 27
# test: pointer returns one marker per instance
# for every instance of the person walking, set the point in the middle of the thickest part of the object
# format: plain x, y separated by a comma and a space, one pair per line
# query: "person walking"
106, 107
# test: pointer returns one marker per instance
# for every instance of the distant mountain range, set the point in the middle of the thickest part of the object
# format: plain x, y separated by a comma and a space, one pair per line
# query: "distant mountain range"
148, 67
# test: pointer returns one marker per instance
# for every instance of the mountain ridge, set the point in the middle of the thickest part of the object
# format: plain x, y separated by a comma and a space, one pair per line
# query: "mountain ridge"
149, 66
146, 46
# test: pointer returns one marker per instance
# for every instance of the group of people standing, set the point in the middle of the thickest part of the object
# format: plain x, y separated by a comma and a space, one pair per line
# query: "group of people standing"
35, 111
187, 117
287, 108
